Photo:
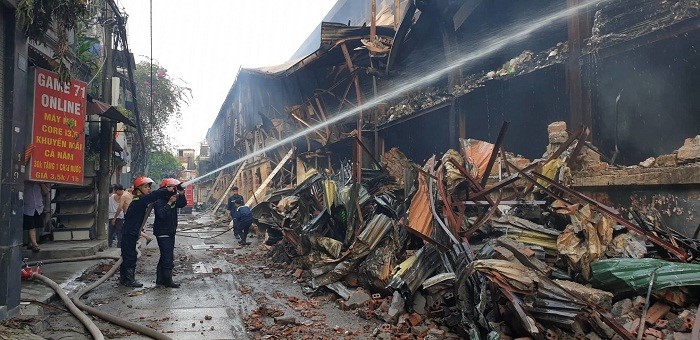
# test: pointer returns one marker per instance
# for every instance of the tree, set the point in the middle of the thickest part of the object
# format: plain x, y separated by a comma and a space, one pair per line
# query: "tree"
163, 164
36, 17
168, 96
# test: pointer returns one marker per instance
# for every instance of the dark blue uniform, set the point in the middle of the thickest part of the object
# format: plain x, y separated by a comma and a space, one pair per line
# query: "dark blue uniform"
244, 219
164, 228
231, 206
133, 221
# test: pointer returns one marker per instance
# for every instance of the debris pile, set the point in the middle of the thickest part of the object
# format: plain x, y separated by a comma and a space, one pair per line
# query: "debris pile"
687, 154
445, 250
612, 25
526, 62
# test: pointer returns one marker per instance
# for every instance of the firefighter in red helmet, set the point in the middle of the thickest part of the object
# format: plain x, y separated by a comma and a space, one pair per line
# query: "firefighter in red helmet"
164, 228
133, 221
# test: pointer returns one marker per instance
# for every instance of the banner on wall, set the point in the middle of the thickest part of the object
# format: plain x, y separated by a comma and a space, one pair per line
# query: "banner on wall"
58, 139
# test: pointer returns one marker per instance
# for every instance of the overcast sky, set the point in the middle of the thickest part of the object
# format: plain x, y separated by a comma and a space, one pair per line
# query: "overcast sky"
205, 42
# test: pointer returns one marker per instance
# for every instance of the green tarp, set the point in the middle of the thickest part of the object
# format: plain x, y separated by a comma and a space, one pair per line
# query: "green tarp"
627, 276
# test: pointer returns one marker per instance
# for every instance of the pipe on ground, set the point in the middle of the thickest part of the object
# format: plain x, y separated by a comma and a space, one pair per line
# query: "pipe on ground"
111, 318
84, 319
75, 259
75, 306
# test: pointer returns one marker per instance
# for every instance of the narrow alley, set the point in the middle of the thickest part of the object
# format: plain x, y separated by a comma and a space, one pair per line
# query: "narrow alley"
350, 169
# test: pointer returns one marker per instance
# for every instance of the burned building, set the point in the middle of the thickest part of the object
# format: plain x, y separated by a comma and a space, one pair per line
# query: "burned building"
529, 64
487, 158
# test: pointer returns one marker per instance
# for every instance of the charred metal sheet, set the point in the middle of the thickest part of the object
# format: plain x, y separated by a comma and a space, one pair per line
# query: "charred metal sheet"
377, 269
616, 24
417, 269
477, 153
455, 180
317, 222
539, 300
439, 282
525, 231
494, 152
340, 289
332, 33
420, 218
367, 241
477, 187
396, 162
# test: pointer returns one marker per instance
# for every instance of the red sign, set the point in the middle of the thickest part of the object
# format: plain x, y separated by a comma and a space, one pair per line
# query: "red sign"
189, 194
58, 135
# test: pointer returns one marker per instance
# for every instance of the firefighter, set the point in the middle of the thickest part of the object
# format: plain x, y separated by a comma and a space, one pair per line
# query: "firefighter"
231, 206
164, 228
131, 230
244, 219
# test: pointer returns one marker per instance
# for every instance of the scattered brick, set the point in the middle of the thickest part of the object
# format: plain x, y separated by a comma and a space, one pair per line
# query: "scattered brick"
656, 312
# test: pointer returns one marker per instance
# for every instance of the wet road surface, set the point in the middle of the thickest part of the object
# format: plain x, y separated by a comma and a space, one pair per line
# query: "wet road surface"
222, 285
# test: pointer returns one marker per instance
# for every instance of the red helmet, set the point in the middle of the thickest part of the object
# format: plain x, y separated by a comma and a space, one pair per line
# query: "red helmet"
169, 182
139, 181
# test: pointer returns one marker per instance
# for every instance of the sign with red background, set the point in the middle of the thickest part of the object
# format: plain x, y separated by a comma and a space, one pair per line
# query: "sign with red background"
58, 137
189, 195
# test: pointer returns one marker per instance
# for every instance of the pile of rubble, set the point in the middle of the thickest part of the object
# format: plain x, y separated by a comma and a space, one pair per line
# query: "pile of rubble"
439, 250
612, 25
686, 154
524, 63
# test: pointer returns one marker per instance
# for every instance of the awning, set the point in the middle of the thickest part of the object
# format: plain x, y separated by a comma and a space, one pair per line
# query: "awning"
116, 147
96, 107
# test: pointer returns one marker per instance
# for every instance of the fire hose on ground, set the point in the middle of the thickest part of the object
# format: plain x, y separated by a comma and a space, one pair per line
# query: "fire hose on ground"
75, 306
84, 319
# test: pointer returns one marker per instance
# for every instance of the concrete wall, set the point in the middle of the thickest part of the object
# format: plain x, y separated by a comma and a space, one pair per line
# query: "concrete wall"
14, 122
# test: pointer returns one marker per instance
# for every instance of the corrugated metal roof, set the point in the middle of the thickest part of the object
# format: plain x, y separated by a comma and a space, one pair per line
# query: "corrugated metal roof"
353, 13
331, 35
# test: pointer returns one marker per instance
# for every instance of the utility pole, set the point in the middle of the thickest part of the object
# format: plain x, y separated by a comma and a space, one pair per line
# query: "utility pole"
103, 175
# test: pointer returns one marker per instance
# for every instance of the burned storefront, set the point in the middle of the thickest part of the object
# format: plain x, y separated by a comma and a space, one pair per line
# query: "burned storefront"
507, 170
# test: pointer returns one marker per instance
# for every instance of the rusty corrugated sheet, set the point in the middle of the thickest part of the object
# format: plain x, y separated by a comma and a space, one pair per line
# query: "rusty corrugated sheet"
420, 217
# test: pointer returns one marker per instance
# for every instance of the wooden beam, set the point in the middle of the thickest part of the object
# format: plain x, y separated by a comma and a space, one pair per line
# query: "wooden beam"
219, 178
373, 22
464, 12
271, 176
322, 112
358, 97
579, 96
397, 13
324, 138
223, 196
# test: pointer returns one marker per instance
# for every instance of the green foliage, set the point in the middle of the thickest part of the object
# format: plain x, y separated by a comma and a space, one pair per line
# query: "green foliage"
37, 16
162, 164
125, 112
85, 53
168, 98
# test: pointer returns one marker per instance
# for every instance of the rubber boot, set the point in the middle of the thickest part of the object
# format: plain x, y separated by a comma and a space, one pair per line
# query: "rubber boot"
131, 280
168, 279
159, 276
123, 277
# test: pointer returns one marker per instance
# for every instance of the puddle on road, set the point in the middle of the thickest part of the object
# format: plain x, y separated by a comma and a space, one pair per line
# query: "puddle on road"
210, 246
208, 268
202, 230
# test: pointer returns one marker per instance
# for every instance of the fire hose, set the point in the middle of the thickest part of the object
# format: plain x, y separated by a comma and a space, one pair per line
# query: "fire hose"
111, 318
75, 306
84, 319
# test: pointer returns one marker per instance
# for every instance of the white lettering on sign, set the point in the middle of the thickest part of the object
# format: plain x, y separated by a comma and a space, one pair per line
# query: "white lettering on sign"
53, 83
60, 104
